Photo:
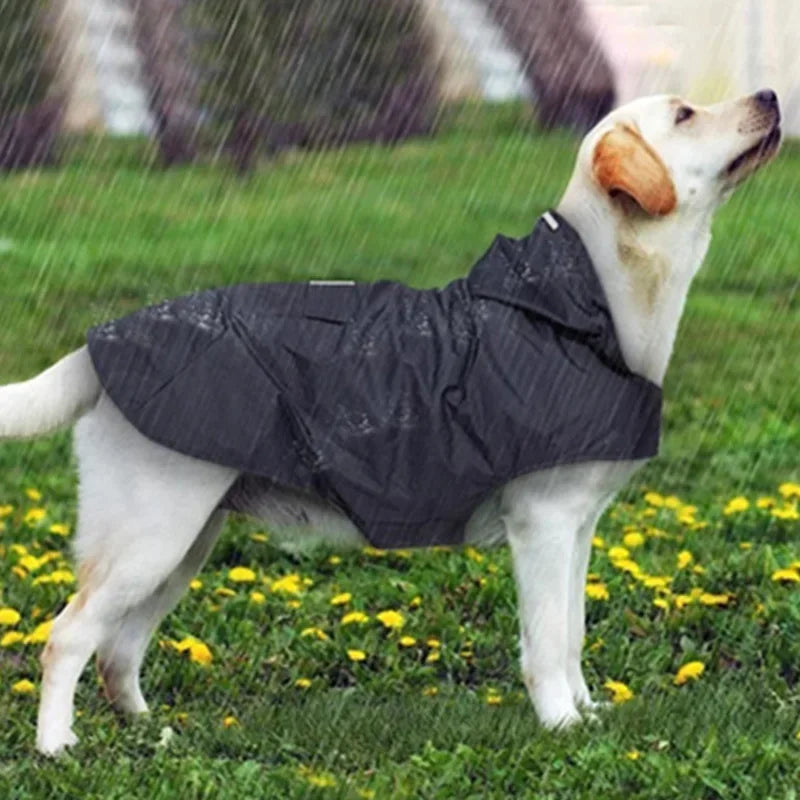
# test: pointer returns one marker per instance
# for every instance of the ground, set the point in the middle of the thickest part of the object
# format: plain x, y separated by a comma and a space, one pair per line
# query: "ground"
260, 684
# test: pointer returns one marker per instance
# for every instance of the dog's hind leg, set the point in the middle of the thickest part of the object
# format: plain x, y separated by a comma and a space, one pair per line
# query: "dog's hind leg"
141, 506
121, 653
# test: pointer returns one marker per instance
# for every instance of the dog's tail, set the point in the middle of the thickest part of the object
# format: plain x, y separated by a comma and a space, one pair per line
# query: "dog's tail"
53, 399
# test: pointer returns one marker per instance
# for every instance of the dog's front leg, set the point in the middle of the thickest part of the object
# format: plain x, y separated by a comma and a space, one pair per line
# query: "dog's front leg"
542, 538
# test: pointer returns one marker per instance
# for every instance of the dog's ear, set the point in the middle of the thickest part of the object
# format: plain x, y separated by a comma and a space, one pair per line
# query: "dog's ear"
624, 162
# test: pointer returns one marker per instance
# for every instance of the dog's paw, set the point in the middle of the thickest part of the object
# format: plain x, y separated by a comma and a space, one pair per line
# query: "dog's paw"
561, 720
52, 744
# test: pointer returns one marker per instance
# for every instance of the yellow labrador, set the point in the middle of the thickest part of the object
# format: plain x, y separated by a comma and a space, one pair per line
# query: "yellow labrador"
646, 184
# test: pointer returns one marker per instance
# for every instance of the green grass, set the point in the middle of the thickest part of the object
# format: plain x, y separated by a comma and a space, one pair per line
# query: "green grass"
103, 235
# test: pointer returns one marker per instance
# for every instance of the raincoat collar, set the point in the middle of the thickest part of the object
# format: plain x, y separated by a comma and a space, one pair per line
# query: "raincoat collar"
549, 274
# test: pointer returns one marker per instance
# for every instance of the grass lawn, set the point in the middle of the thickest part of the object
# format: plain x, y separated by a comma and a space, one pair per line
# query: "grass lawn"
439, 713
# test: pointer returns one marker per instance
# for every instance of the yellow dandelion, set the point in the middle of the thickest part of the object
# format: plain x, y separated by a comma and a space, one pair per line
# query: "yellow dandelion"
789, 489
673, 502
199, 652
661, 603
618, 553
766, 502
293, 603
788, 575
39, 634
60, 576
599, 542
787, 512
6, 510
303, 683
736, 505
415, 601
224, 591
59, 528
430, 691
629, 566
597, 591
230, 722
406, 641
11, 638
321, 781
633, 539
317, 633
633, 755
33, 494
620, 692
692, 670
195, 584
356, 655
391, 619
656, 581
241, 575
433, 643
493, 699
259, 537
474, 555
288, 584
684, 559
433, 657
354, 616
745, 545
708, 599
23, 687
341, 599
654, 499
34, 515
9, 616
258, 598
334, 560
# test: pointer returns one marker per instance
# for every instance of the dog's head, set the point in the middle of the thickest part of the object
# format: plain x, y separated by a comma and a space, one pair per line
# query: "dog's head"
661, 156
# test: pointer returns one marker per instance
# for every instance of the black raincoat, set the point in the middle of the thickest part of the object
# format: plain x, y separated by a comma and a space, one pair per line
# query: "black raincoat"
404, 408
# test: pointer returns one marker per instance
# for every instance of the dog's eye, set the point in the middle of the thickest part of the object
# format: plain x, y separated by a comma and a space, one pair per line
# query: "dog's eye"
683, 113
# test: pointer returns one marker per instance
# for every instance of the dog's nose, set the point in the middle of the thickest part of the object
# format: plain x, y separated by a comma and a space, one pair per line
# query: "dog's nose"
767, 99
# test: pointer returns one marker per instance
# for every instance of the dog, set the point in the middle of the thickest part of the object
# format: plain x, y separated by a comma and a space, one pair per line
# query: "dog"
646, 184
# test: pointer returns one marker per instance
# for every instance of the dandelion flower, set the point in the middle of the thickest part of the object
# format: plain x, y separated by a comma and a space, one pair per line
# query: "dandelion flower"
789, 489
599, 542
241, 575
766, 502
341, 599
597, 591
354, 616
56, 576
474, 555
430, 691
199, 652
433, 643
230, 721
303, 683
289, 584
391, 619
356, 655
633, 539
684, 559
258, 598
6, 510
689, 671
317, 633
11, 637
59, 528
224, 591
633, 755
618, 553
654, 499
33, 494
23, 687
195, 584
787, 512
34, 515
334, 560
322, 781
493, 699
259, 537
620, 693
406, 641
789, 575
9, 616
736, 506
433, 657
708, 599
40, 633
415, 601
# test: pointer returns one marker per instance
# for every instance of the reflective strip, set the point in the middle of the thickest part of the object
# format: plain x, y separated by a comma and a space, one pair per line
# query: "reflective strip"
551, 221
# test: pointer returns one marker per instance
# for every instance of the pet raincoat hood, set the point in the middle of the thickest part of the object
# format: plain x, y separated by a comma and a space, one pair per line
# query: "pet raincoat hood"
403, 408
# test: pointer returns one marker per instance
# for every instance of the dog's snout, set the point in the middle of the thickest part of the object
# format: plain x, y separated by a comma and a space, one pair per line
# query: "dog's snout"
766, 99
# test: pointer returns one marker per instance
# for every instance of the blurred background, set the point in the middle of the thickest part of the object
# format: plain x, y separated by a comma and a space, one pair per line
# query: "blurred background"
261, 75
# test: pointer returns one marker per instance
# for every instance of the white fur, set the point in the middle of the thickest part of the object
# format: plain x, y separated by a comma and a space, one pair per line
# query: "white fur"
148, 516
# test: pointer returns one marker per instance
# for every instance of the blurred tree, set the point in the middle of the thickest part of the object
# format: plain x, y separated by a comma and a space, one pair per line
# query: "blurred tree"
314, 72
571, 76
28, 121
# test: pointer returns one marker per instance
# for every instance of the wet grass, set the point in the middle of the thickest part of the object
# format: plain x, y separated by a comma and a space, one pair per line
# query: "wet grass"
103, 235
